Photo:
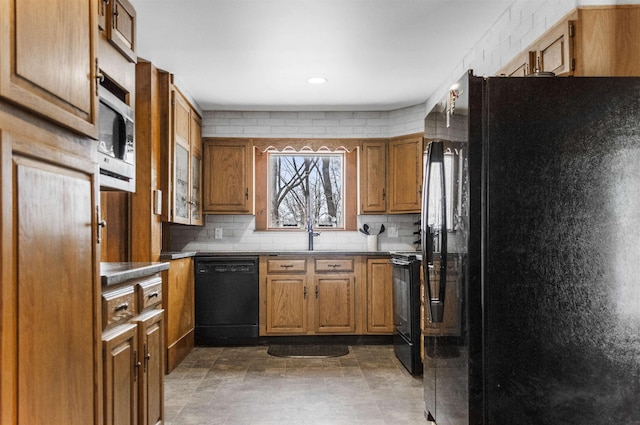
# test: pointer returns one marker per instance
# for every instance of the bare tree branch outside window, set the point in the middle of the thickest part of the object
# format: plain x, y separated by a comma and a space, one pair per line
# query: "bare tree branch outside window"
303, 186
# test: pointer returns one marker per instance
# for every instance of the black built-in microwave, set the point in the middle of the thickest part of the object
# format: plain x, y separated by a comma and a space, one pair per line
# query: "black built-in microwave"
116, 143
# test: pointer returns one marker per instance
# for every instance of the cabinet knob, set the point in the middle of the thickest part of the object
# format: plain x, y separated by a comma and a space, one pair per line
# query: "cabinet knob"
136, 365
147, 356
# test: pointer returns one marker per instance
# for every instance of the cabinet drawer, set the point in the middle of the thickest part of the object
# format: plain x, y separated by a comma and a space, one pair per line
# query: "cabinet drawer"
149, 292
287, 266
118, 306
338, 265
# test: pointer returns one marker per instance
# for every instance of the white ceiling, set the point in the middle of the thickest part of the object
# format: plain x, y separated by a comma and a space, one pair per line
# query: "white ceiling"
258, 54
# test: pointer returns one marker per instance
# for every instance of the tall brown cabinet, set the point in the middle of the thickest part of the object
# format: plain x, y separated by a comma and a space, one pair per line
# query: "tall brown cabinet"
49, 295
168, 138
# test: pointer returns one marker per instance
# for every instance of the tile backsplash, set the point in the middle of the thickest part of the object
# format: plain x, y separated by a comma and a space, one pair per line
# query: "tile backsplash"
237, 233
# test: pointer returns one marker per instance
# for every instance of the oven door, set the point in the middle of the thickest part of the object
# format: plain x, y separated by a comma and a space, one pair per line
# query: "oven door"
406, 297
401, 297
406, 303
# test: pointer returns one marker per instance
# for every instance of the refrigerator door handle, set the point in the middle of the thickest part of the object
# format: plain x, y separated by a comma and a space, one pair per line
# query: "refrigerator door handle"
436, 235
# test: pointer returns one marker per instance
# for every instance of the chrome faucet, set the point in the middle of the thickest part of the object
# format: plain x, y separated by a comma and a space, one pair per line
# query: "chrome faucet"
311, 233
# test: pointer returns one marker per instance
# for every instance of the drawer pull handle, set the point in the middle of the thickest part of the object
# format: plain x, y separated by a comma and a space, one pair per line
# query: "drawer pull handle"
286, 266
122, 307
334, 265
153, 295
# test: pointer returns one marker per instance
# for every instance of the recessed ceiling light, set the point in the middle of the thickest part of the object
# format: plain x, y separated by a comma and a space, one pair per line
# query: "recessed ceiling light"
317, 80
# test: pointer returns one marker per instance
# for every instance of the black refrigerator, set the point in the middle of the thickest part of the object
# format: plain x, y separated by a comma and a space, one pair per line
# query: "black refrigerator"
531, 252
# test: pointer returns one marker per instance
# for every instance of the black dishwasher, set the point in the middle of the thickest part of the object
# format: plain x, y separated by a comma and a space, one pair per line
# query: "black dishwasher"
226, 300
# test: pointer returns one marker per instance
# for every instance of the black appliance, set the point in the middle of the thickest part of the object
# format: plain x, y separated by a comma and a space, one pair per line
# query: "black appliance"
406, 310
116, 143
226, 300
533, 196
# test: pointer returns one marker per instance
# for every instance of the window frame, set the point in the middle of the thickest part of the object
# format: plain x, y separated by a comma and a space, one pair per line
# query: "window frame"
350, 182
314, 156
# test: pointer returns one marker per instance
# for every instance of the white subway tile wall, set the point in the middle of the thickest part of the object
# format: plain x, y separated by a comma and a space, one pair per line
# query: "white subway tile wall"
239, 234
309, 124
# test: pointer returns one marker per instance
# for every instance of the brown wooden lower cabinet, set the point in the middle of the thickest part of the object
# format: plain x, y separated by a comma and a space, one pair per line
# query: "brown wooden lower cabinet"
133, 347
309, 296
286, 304
325, 295
335, 310
178, 303
379, 296
150, 381
121, 372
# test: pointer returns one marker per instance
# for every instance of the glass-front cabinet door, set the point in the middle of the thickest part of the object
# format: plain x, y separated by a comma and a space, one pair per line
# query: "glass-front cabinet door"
181, 208
196, 192
186, 184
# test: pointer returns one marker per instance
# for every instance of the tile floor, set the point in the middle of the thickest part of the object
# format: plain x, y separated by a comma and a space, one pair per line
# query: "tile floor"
245, 385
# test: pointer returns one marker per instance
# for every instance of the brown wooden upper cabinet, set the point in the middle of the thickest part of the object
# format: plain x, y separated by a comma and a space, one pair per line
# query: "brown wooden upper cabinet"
186, 162
119, 21
589, 41
553, 52
391, 175
228, 176
49, 68
519, 66
405, 174
373, 177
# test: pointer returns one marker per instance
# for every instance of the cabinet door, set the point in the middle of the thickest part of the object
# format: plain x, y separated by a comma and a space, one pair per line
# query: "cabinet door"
151, 388
554, 51
379, 296
178, 302
121, 371
520, 66
52, 296
195, 141
607, 41
335, 303
50, 67
121, 27
228, 176
373, 177
286, 304
405, 174
181, 204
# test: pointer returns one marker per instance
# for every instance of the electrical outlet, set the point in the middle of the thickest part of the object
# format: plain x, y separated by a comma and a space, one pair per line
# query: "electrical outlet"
393, 231
218, 233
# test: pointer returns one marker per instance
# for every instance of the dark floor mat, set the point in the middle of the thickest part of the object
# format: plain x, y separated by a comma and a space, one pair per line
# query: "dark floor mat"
308, 351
